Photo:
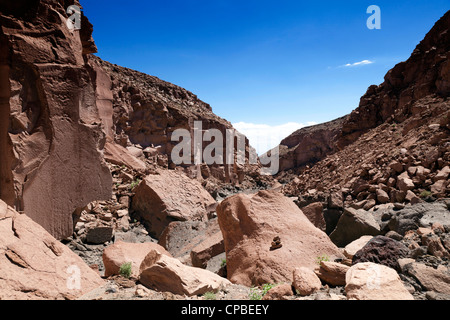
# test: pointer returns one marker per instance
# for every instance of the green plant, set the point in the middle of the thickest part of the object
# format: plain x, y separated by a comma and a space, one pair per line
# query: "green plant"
209, 296
257, 294
224, 263
266, 287
125, 270
321, 258
135, 183
425, 194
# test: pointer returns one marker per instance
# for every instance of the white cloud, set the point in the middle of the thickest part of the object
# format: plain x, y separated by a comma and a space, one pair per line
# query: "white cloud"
264, 137
360, 63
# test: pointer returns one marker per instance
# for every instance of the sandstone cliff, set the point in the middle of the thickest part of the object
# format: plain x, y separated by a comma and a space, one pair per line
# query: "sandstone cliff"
51, 138
65, 111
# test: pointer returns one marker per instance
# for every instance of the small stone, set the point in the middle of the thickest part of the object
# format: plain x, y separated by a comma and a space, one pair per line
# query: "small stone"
382, 196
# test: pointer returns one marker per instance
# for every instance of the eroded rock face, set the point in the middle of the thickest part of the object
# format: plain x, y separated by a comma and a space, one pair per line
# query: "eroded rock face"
249, 224
34, 265
51, 137
139, 109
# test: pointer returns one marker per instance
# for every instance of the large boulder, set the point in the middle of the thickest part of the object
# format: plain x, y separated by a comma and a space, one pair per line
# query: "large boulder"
121, 252
163, 273
352, 225
170, 196
418, 215
250, 223
382, 250
34, 265
370, 281
207, 249
305, 281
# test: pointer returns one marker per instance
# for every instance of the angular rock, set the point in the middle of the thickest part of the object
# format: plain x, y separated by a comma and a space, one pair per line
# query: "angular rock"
419, 215
370, 281
353, 247
99, 235
332, 273
352, 225
35, 266
434, 245
443, 174
249, 223
121, 156
382, 250
114, 256
305, 281
207, 249
163, 273
438, 187
170, 196
314, 212
431, 279
404, 183
279, 292
396, 166
382, 196
180, 238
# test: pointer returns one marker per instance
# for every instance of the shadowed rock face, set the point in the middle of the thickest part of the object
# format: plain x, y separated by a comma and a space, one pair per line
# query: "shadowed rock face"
51, 137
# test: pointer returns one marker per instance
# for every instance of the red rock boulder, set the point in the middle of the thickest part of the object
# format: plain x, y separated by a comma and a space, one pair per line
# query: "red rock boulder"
170, 196
34, 265
250, 225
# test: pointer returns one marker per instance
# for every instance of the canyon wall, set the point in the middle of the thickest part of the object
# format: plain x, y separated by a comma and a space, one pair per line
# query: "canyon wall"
51, 135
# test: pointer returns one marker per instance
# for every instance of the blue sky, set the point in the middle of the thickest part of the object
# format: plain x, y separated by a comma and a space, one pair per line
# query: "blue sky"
259, 62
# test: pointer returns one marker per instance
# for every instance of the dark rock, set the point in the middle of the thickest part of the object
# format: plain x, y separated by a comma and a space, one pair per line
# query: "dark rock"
382, 250
331, 217
99, 235
352, 225
419, 215
418, 252
394, 235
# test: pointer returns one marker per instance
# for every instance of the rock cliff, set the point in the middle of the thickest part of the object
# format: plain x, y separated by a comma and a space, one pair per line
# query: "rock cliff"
51, 137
